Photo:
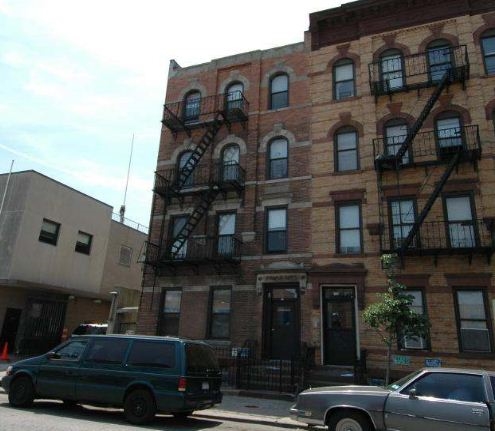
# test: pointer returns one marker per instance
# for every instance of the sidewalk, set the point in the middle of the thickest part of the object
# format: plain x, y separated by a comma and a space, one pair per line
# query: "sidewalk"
260, 408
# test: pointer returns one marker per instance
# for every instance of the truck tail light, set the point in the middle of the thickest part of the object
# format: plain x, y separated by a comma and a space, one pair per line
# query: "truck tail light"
182, 384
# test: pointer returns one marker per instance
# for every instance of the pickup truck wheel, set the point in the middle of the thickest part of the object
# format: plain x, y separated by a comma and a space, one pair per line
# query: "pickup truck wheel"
348, 421
139, 407
21, 392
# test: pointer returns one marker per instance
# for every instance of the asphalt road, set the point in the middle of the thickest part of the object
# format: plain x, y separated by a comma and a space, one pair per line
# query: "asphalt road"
54, 416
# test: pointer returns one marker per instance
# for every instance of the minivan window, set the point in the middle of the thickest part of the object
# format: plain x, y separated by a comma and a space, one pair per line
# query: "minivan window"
71, 351
152, 354
108, 351
200, 358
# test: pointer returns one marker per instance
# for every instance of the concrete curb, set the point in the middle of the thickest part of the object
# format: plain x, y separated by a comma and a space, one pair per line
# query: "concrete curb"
248, 418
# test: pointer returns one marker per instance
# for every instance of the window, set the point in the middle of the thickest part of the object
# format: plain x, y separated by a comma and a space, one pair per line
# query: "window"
488, 49
192, 106
125, 256
108, 351
226, 231
230, 163
460, 222
343, 77
448, 131
152, 354
278, 158
395, 135
449, 386
169, 322
349, 228
83, 243
346, 147
49, 232
71, 351
276, 230
472, 322
179, 246
279, 92
391, 63
402, 216
184, 178
439, 59
408, 342
220, 313
234, 98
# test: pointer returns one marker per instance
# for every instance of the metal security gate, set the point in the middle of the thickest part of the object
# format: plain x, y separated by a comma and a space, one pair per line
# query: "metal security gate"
42, 326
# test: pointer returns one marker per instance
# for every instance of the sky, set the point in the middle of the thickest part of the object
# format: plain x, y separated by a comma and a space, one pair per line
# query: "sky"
83, 82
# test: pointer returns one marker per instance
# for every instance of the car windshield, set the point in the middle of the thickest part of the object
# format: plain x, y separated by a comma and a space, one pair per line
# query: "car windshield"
401, 382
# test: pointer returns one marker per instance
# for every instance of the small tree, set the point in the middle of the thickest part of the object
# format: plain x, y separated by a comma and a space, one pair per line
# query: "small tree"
392, 316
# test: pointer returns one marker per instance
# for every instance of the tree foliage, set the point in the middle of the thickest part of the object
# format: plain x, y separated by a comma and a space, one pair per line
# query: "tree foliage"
392, 315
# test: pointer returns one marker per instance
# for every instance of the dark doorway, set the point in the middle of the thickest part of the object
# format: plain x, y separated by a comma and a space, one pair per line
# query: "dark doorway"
9, 328
282, 338
339, 326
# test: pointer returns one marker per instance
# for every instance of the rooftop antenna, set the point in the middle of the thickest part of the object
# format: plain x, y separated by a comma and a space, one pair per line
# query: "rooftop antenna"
122, 207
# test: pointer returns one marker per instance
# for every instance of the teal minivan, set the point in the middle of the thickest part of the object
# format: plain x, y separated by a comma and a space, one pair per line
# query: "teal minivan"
142, 374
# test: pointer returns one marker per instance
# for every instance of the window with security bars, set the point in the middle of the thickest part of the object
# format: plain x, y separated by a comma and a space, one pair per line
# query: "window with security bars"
472, 321
49, 232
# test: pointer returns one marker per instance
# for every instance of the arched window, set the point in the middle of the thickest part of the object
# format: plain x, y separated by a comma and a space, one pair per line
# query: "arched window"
278, 158
439, 59
488, 50
192, 106
448, 130
343, 79
230, 163
346, 149
234, 97
279, 91
391, 68
183, 177
395, 134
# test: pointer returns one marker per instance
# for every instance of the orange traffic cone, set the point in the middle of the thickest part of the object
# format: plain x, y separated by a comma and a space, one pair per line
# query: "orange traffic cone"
5, 352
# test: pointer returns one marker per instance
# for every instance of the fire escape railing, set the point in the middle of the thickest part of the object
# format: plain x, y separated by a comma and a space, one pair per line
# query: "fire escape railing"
427, 147
417, 71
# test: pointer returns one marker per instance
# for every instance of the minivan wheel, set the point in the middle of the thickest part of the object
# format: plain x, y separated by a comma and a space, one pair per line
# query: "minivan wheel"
21, 392
139, 407
182, 415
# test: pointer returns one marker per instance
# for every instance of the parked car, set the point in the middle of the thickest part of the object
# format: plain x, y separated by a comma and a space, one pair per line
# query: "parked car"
142, 374
91, 328
436, 399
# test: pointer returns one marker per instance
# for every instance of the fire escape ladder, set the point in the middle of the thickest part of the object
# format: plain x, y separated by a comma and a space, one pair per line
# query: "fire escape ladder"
198, 152
422, 116
429, 203
206, 199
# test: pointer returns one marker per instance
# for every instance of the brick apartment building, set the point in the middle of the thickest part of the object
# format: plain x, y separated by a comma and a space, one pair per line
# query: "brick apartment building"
284, 174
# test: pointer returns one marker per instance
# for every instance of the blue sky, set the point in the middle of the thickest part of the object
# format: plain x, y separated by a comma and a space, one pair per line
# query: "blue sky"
79, 78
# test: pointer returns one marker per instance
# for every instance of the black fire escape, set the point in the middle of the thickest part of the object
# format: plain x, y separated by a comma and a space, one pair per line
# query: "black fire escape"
196, 185
437, 154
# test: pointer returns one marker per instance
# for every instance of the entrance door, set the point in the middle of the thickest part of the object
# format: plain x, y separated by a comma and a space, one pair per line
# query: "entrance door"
339, 326
9, 328
282, 336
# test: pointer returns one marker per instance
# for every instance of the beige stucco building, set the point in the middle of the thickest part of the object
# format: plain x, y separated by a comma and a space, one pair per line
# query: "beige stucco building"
61, 256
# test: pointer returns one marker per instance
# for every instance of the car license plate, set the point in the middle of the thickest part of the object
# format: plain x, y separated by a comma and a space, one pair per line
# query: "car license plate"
205, 386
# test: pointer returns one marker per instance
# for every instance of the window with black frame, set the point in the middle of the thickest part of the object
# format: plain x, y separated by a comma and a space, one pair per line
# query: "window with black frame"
440, 59
391, 66
192, 106
346, 147
83, 242
49, 232
279, 91
402, 217
488, 50
220, 305
276, 230
278, 158
417, 306
343, 75
170, 315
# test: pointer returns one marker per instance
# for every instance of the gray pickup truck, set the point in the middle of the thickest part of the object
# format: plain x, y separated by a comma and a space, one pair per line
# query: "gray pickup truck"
431, 399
